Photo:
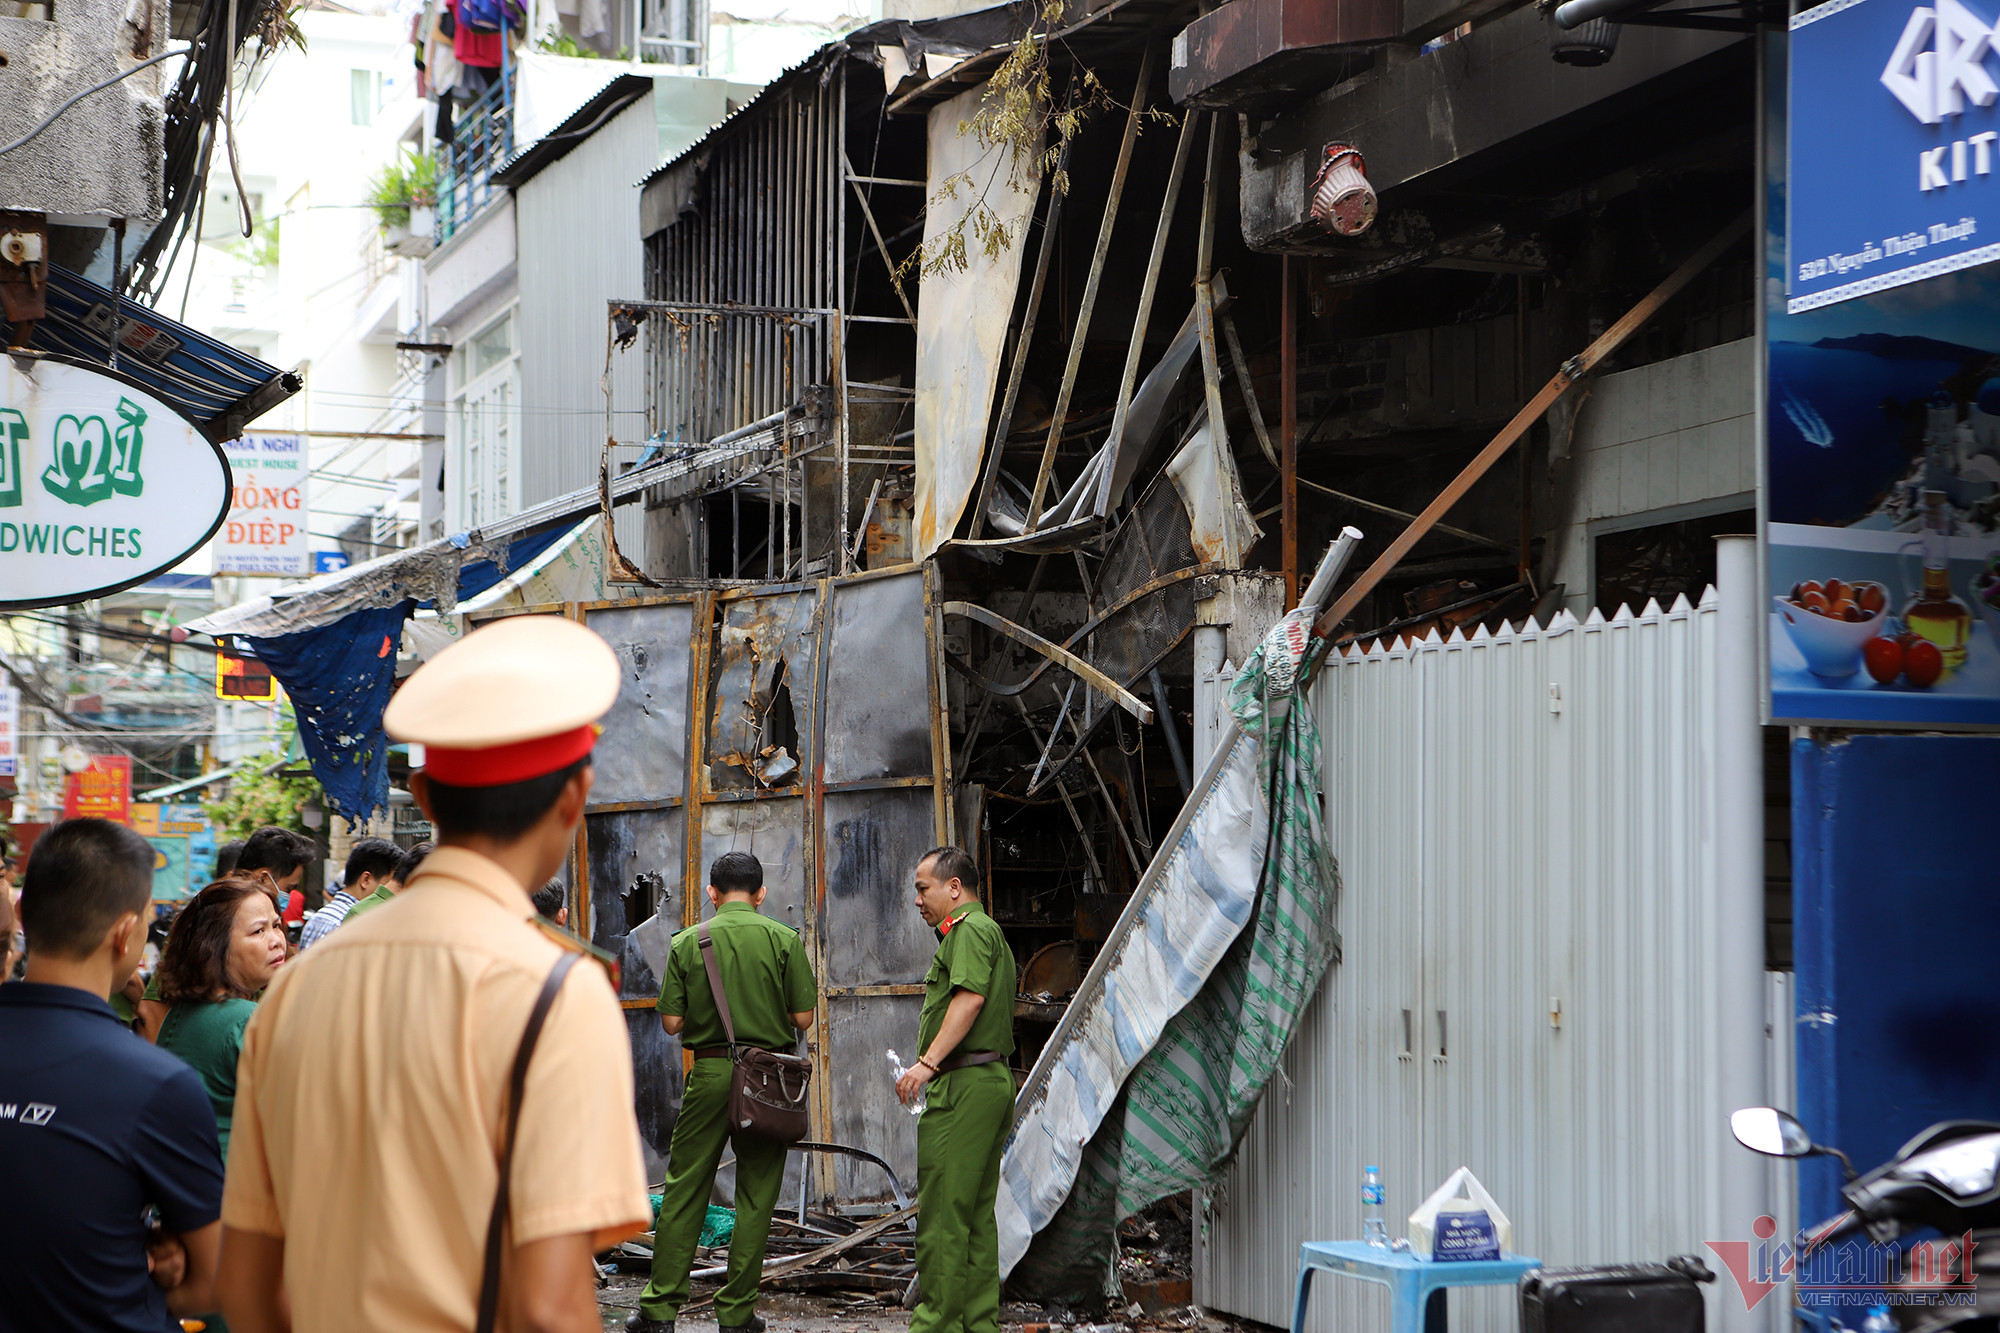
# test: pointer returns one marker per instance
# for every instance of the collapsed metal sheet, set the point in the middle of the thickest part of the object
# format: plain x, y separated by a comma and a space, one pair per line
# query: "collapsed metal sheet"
875, 674
643, 755
760, 691
772, 829
1220, 525
866, 1114
870, 926
962, 317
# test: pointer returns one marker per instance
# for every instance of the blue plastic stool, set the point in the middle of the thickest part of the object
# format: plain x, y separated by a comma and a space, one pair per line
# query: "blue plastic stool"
1416, 1285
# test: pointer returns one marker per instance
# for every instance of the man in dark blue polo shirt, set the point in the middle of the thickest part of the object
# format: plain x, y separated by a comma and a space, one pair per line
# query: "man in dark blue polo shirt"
97, 1128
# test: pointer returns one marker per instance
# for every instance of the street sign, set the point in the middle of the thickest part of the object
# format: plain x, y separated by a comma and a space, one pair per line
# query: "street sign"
101, 791
102, 485
1894, 147
243, 678
267, 532
330, 562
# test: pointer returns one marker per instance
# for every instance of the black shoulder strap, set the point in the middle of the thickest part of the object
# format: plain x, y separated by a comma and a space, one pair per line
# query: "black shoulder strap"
517, 1084
715, 981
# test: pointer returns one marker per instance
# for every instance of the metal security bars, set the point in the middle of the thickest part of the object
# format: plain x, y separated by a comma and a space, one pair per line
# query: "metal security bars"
482, 139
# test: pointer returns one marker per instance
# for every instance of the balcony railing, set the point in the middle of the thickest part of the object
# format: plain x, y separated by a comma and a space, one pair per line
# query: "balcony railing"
482, 142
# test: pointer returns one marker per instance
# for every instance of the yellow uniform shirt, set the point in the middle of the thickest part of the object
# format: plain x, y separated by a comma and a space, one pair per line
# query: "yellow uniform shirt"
369, 1101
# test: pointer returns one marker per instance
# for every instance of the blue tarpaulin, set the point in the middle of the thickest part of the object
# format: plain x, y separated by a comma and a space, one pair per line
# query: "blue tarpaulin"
339, 678
340, 675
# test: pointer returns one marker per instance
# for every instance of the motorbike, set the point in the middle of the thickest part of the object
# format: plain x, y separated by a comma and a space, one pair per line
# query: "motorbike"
1947, 1180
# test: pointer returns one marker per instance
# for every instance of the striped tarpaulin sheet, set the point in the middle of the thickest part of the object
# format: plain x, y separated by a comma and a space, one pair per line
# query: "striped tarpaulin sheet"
1157, 1082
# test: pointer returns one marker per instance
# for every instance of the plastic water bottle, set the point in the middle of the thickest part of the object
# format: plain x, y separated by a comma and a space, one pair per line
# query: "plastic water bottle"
923, 1098
1879, 1320
1373, 1229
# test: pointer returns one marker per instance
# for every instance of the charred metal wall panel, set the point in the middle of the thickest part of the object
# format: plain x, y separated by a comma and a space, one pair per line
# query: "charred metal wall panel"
647, 759
839, 668
872, 932
634, 856
1527, 833
760, 691
878, 666
866, 1114
772, 830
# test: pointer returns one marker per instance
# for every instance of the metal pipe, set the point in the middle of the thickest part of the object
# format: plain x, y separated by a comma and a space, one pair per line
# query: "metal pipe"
1393, 512
1022, 342
1247, 388
1137, 344
1331, 563
1288, 428
1082, 330
1576, 13
866, 511
1204, 306
1740, 1190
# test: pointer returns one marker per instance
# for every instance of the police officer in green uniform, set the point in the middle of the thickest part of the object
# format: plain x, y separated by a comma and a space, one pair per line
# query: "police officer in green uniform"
772, 996
966, 1035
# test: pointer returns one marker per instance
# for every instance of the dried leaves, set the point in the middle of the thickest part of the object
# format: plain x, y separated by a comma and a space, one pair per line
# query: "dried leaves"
1019, 114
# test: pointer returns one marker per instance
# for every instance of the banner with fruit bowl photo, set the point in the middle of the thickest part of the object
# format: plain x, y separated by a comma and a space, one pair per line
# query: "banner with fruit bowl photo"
1886, 627
1880, 486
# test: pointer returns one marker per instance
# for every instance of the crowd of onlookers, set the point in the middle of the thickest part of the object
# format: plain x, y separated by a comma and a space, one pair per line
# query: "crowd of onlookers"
111, 1148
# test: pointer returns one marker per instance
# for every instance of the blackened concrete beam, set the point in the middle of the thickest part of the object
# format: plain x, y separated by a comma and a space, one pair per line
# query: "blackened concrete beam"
1446, 113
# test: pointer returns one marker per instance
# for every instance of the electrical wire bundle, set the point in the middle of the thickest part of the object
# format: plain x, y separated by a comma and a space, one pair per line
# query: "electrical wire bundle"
196, 109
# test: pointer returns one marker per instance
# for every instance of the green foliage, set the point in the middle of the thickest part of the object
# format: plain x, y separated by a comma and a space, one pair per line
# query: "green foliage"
257, 798
260, 247
408, 182
556, 42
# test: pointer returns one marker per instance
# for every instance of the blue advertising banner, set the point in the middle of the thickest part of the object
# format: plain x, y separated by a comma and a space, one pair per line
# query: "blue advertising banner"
1894, 146
1881, 473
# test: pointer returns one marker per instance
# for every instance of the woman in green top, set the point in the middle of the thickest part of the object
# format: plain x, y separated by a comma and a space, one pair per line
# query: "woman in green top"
225, 947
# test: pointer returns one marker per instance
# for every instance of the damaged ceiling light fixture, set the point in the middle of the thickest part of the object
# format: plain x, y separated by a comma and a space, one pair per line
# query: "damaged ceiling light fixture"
1343, 202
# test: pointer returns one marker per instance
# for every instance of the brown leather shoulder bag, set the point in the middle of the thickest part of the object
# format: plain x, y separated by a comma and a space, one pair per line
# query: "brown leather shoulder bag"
767, 1089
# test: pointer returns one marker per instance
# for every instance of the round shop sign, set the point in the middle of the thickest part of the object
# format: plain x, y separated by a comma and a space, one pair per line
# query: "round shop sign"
102, 485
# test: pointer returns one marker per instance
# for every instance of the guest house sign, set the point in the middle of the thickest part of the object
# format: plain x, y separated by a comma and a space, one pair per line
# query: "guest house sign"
102, 485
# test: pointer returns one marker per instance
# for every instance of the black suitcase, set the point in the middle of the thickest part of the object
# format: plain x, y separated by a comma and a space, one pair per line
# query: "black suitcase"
1628, 1298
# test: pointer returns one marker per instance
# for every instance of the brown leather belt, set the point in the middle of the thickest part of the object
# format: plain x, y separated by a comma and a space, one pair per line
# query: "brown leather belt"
967, 1059
711, 1052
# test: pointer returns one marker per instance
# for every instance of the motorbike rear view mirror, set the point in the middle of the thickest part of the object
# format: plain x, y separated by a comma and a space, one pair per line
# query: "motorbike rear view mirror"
1767, 1130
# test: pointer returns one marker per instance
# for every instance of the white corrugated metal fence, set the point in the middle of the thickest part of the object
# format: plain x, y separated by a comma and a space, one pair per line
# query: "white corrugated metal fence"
1526, 828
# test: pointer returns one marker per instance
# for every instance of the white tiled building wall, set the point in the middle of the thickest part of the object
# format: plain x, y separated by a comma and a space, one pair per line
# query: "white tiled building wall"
1670, 441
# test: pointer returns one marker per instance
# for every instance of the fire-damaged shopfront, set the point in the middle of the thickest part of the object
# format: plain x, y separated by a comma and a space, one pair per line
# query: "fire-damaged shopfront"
1255, 310
969, 455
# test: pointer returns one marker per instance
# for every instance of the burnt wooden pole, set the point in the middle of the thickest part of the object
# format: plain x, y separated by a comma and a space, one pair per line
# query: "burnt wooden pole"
1288, 428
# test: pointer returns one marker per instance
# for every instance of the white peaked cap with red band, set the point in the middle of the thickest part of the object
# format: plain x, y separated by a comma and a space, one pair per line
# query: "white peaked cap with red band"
514, 700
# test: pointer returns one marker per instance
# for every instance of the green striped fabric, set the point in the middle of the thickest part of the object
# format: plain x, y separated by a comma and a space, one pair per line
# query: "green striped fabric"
1189, 1100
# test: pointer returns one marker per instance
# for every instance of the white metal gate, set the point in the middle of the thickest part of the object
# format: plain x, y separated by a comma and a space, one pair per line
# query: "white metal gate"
1526, 825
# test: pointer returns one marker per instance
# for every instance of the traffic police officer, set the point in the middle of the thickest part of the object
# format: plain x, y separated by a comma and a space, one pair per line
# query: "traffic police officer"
965, 1036
772, 995
373, 1082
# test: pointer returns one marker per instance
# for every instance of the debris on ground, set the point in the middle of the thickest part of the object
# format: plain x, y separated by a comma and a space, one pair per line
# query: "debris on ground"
853, 1274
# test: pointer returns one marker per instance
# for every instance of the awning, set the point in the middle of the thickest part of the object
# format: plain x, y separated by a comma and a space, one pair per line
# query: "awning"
438, 573
217, 386
332, 644
192, 784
